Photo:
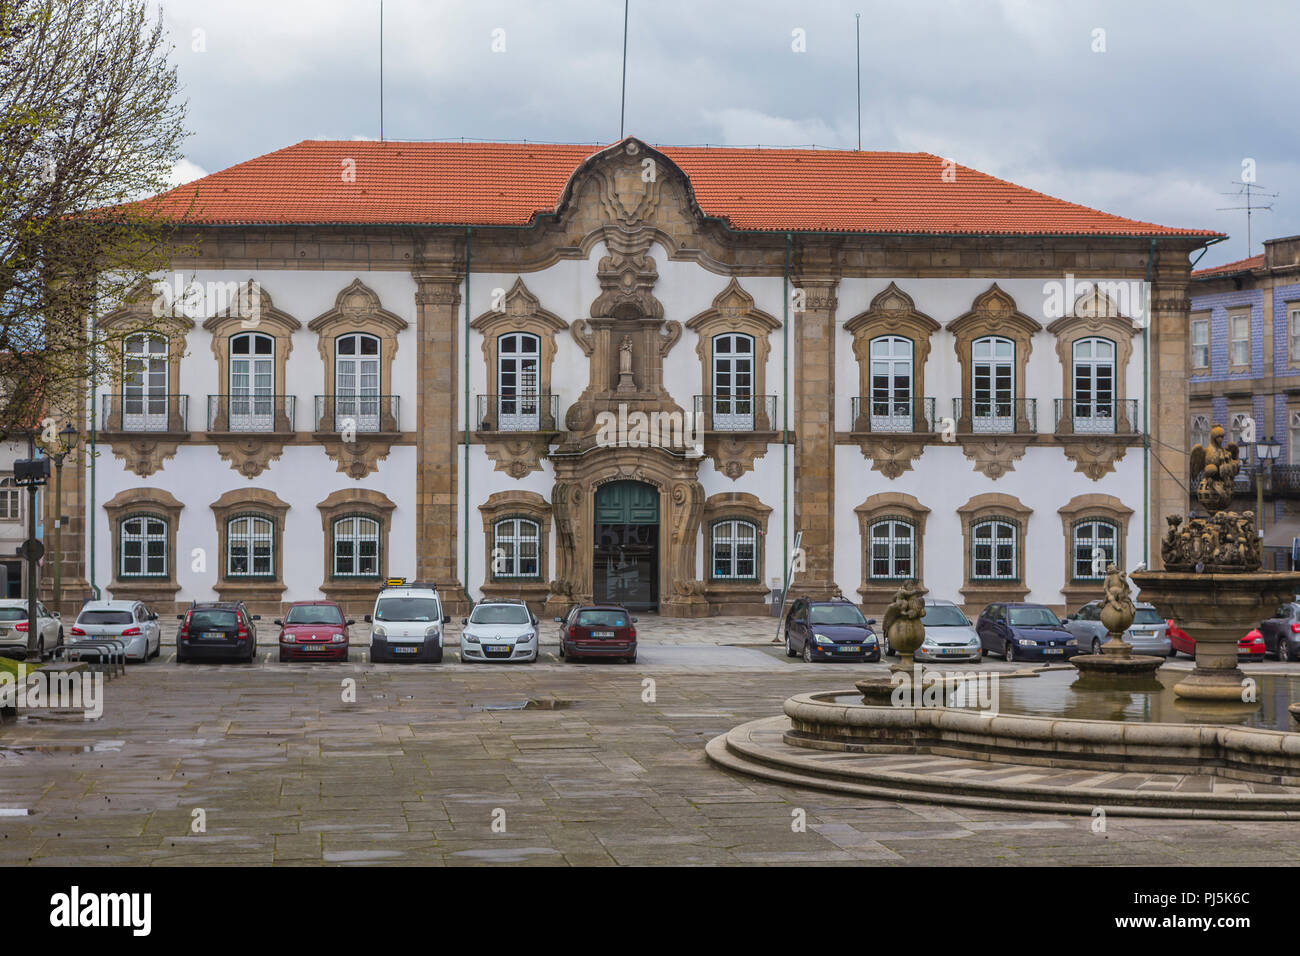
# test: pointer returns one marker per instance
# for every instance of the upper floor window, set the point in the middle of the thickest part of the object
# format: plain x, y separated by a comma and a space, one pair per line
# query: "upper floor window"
1239, 343
1094, 385
143, 540
1294, 330
1200, 343
735, 550
519, 358
1096, 545
733, 382
356, 380
891, 549
252, 382
993, 384
994, 551
11, 500
516, 548
1238, 429
356, 547
250, 546
144, 383
1200, 430
1293, 438
891, 383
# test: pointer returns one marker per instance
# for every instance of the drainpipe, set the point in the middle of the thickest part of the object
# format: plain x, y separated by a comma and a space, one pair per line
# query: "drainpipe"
785, 420
1146, 416
465, 470
91, 514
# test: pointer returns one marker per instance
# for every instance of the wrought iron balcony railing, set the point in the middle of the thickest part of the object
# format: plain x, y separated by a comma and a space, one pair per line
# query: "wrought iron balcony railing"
996, 416
735, 413
526, 412
361, 413
893, 415
251, 413
156, 414
1097, 418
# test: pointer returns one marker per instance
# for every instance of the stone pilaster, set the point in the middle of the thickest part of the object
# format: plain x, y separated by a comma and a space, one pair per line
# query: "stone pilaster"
814, 457
1168, 396
438, 538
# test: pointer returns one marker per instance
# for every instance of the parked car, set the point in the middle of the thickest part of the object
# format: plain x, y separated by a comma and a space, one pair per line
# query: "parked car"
949, 635
499, 631
13, 628
216, 630
598, 630
829, 631
127, 621
1020, 631
1281, 632
1249, 647
1148, 635
314, 631
406, 624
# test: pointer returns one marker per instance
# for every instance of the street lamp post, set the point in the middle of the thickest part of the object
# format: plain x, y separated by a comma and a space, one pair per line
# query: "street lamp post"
31, 473
68, 438
1266, 450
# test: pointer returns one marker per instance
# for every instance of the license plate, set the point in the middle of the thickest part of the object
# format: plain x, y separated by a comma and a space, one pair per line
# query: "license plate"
953, 650
1053, 650
213, 635
602, 633
405, 650
313, 647
849, 648
498, 648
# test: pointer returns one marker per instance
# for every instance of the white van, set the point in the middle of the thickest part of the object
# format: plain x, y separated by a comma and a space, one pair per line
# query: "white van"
406, 624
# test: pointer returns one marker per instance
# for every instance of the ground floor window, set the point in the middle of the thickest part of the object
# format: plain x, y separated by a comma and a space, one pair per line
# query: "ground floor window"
515, 549
891, 550
1096, 545
735, 550
250, 546
994, 554
143, 540
356, 547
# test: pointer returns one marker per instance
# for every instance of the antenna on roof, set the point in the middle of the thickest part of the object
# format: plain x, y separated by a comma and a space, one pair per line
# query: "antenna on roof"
381, 70
622, 102
1251, 208
857, 29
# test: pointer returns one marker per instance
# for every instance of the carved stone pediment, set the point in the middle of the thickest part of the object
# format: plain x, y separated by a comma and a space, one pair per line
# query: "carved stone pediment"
249, 456
994, 456
1094, 457
359, 458
627, 274
144, 456
891, 455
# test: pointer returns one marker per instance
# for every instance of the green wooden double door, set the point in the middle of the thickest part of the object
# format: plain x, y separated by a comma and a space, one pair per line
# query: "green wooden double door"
626, 550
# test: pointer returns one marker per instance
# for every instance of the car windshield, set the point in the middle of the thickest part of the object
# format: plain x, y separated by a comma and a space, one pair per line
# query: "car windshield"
500, 614
1147, 615
407, 609
314, 614
943, 615
1033, 617
13, 614
212, 620
105, 617
836, 614
601, 619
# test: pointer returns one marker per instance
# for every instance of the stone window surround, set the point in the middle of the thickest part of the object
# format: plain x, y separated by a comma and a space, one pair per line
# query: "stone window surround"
733, 310
521, 312
138, 317
1087, 508
263, 503
1291, 315
517, 504
709, 532
151, 502
993, 505
269, 321
892, 312
877, 592
354, 592
1095, 316
993, 312
1192, 367
1247, 313
357, 309
735, 595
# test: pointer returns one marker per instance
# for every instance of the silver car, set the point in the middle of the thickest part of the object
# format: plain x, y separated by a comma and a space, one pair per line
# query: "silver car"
127, 621
949, 634
499, 631
1148, 635
13, 628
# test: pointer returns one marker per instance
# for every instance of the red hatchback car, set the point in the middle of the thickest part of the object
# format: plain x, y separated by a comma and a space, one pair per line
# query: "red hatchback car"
314, 631
598, 630
1249, 648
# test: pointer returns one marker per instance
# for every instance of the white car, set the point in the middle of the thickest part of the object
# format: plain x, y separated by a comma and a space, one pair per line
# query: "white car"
499, 631
406, 624
127, 621
13, 628
949, 634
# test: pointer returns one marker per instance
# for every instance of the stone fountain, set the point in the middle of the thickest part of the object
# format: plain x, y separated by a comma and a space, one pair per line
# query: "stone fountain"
906, 633
1212, 584
1117, 658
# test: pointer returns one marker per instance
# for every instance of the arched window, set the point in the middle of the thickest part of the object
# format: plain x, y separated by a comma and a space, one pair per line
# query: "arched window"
993, 384
1242, 431
735, 550
519, 357
891, 550
1293, 439
733, 382
250, 546
11, 500
515, 548
891, 384
143, 540
1096, 545
252, 382
356, 547
356, 380
144, 382
1200, 430
1094, 385
994, 554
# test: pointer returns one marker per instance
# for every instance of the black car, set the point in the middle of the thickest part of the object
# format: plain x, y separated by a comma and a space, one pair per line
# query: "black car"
829, 631
1021, 632
217, 630
1281, 633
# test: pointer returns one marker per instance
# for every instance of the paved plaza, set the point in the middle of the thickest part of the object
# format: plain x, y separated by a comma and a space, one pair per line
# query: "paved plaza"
551, 763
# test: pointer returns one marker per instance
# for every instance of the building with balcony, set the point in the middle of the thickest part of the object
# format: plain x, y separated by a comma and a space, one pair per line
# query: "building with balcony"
1244, 373
634, 374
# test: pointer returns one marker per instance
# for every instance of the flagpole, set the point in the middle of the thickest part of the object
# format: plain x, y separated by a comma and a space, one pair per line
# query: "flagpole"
622, 103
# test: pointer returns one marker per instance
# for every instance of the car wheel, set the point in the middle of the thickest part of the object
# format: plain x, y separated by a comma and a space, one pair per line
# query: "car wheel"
436, 658
807, 652
1009, 651
464, 659
1096, 645
630, 660
1283, 650
789, 648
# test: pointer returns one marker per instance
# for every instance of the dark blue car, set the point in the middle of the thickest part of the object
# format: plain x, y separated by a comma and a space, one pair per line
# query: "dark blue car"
1025, 632
829, 631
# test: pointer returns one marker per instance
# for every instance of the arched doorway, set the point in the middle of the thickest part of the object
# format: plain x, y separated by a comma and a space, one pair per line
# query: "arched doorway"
625, 555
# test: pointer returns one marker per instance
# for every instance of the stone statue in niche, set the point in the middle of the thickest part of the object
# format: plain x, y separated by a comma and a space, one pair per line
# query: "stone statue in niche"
625, 380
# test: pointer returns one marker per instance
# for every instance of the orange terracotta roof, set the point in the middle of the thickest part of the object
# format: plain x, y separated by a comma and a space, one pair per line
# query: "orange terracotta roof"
510, 184
1241, 265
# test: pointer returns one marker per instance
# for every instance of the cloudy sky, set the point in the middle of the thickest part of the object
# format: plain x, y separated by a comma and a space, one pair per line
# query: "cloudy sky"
1144, 109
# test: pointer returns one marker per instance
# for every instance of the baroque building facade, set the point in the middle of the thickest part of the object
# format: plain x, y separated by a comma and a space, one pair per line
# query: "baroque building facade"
628, 373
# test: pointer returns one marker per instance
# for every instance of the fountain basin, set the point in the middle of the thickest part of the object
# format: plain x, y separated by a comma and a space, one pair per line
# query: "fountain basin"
1139, 667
